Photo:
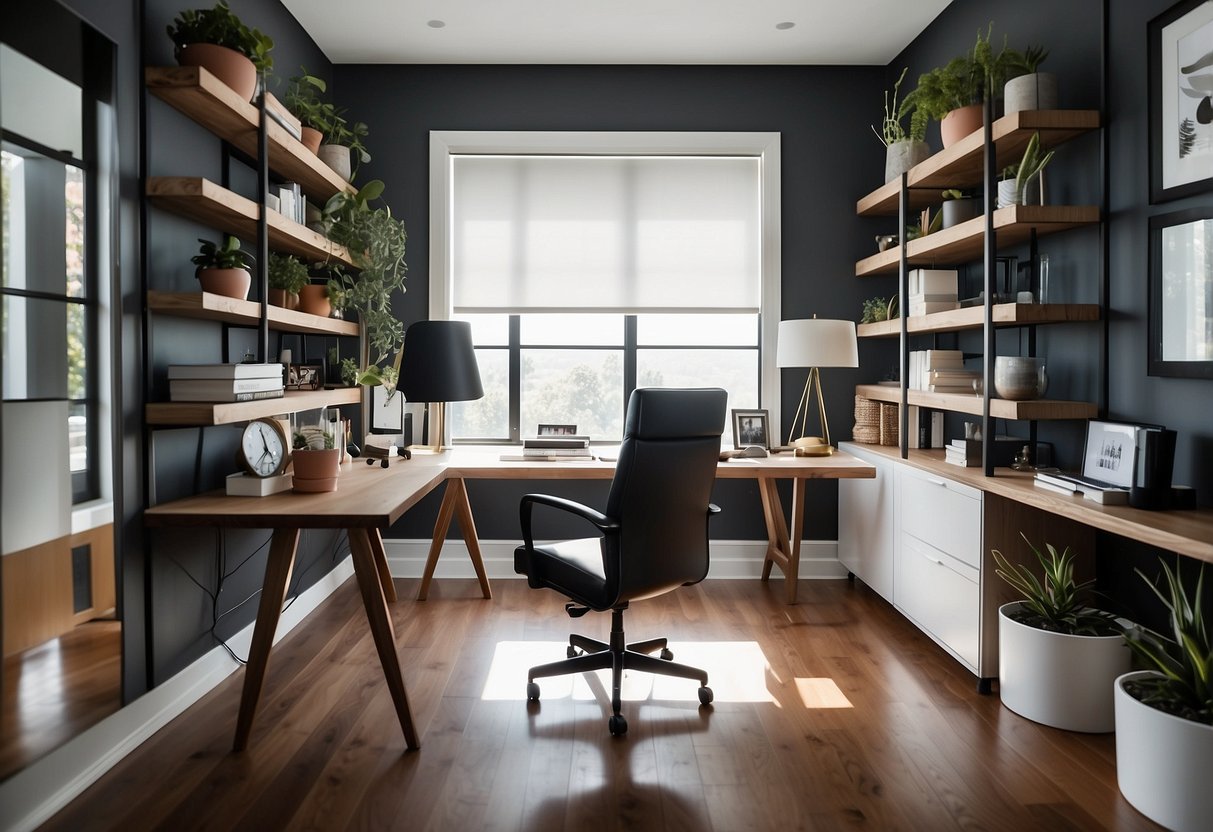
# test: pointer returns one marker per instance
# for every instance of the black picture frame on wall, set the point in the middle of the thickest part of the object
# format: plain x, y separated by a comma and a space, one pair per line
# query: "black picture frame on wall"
1181, 294
1181, 112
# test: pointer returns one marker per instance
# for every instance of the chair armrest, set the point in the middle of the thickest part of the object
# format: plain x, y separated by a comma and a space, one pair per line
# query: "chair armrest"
598, 519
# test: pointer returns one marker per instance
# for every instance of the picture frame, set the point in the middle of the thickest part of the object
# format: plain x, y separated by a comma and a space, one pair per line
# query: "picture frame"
1181, 147
1181, 294
303, 376
1110, 452
387, 412
556, 430
750, 428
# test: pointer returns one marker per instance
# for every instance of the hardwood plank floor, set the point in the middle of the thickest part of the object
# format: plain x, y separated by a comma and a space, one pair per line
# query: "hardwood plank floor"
834, 713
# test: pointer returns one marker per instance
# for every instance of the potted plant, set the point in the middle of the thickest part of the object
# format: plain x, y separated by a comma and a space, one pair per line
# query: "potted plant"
954, 93
879, 309
1026, 87
1021, 184
287, 275
1164, 715
903, 148
216, 40
959, 206
323, 299
303, 99
315, 458
342, 142
223, 269
1057, 656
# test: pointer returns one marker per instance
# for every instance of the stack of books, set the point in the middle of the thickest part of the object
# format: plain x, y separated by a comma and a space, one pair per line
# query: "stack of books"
556, 447
931, 290
941, 371
1074, 484
224, 382
963, 452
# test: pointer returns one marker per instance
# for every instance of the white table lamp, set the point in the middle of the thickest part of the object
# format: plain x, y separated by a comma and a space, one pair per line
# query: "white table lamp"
815, 343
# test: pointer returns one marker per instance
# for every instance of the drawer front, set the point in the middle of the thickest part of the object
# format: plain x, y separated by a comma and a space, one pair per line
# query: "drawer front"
943, 513
941, 595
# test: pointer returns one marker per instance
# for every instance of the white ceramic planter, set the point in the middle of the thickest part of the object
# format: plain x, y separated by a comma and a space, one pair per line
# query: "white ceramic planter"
1036, 91
1056, 679
337, 157
1031, 193
1163, 763
899, 157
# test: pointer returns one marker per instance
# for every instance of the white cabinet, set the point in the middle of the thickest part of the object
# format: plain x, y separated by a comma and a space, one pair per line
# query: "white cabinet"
867, 522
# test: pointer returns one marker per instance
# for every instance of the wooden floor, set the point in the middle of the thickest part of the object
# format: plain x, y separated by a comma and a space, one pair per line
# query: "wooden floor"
832, 714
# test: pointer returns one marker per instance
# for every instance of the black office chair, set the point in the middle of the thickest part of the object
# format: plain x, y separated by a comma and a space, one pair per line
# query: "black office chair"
654, 535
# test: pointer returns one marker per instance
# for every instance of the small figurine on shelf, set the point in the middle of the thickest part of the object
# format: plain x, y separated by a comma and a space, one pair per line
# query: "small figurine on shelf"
1023, 460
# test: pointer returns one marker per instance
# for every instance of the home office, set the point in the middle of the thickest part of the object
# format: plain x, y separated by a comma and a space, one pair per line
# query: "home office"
821, 108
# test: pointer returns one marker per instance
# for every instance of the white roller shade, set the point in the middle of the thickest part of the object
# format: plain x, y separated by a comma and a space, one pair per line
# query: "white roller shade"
608, 233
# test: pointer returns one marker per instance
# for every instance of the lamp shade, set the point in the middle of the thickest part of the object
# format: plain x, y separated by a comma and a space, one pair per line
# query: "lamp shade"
815, 342
439, 363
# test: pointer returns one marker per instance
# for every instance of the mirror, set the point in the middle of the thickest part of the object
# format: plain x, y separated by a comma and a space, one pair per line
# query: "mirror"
60, 617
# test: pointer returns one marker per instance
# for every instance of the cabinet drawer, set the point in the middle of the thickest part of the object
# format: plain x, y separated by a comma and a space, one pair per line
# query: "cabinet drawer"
941, 512
941, 595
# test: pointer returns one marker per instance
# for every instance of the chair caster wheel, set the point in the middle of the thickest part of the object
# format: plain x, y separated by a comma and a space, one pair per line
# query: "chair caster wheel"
532, 692
705, 695
667, 654
572, 652
617, 725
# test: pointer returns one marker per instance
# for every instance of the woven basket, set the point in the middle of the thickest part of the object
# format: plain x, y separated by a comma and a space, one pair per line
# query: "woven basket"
866, 434
867, 412
888, 424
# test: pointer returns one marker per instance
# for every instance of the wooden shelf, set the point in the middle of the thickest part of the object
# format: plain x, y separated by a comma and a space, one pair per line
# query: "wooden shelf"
209, 307
202, 200
191, 414
973, 317
961, 165
971, 404
965, 242
207, 100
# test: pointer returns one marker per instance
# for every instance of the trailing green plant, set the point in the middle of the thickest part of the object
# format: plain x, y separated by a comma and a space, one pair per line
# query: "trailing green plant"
229, 255
1184, 686
1058, 604
302, 97
879, 309
287, 273
968, 79
891, 128
349, 372
221, 27
1029, 166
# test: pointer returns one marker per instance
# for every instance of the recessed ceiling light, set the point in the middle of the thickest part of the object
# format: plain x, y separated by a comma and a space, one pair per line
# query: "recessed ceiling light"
787, 24
435, 24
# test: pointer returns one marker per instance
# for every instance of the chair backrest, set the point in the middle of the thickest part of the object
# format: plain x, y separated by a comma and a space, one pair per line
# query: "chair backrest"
662, 487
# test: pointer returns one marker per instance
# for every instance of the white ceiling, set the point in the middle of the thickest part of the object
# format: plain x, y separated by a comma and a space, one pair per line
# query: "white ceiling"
614, 31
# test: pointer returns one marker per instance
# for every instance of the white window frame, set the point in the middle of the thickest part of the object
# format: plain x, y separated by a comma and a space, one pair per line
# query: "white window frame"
444, 144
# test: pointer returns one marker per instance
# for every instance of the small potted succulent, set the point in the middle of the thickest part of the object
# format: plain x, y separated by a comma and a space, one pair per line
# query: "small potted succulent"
1021, 184
287, 275
222, 269
1027, 88
903, 148
316, 458
303, 99
216, 40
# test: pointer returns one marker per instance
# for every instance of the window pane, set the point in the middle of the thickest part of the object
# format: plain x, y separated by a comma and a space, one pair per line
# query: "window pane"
74, 232
572, 329
488, 417
35, 361
739, 330
488, 330
574, 387
734, 370
77, 365
43, 204
77, 437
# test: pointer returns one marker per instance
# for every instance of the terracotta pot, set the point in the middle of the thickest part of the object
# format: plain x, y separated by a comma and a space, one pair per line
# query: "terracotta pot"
231, 283
960, 123
283, 298
337, 157
228, 65
314, 300
316, 470
311, 139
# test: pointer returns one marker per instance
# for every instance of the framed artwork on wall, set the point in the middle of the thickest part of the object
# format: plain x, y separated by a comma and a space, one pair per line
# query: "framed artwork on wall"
1181, 294
1181, 100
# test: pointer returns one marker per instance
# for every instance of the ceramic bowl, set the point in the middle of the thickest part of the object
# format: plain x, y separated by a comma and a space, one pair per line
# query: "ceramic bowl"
1019, 377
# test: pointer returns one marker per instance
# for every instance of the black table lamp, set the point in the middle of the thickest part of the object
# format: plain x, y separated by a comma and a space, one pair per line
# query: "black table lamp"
439, 366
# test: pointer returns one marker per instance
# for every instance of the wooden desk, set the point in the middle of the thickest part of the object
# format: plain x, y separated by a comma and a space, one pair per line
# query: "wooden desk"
783, 542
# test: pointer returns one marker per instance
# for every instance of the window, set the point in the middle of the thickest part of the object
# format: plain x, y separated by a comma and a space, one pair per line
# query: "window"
590, 264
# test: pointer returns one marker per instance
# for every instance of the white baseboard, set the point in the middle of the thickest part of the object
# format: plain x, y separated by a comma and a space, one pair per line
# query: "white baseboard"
31, 796
729, 559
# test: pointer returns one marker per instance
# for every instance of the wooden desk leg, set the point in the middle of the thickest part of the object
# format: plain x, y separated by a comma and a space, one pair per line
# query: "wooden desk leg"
367, 572
454, 502
273, 592
796, 532
385, 576
781, 549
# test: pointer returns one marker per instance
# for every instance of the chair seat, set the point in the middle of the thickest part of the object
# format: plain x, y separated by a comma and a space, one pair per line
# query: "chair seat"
572, 567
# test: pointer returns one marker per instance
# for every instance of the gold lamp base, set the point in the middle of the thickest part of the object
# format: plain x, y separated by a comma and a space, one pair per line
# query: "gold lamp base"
812, 446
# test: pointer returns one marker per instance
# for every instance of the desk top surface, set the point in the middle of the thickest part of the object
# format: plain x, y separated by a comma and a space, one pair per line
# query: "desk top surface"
371, 496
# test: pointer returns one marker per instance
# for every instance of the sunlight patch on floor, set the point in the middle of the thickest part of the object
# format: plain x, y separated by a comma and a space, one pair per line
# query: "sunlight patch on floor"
737, 672
821, 693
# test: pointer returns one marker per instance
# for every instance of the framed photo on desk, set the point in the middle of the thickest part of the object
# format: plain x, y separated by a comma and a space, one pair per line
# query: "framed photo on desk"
751, 427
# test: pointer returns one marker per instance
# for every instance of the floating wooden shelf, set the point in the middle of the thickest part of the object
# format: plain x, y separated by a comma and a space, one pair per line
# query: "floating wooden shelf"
202, 200
965, 242
190, 414
209, 307
971, 404
207, 100
973, 317
961, 165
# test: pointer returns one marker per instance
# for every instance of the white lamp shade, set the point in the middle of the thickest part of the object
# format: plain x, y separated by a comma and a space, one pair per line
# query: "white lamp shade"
814, 342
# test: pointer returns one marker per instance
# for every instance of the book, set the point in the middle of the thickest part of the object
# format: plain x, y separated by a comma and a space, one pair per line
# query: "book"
220, 387
1105, 496
254, 395
246, 485
932, 281
224, 371
1048, 486
929, 307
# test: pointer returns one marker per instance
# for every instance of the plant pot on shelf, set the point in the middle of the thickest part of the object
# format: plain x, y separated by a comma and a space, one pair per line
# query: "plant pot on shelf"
228, 65
901, 156
1163, 761
959, 123
1061, 680
283, 298
316, 470
314, 299
1034, 91
1008, 193
337, 157
1019, 378
311, 139
231, 283
956, 211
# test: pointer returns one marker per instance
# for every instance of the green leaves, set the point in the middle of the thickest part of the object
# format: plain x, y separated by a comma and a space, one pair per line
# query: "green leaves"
229, 255
1030, 166
287, 273
1057, 604
891, 129
221, 27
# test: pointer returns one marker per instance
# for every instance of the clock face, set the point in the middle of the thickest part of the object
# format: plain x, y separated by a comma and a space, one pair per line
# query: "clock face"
263, 449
